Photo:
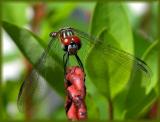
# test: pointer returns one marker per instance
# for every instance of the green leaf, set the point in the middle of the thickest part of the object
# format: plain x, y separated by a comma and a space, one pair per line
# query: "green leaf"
150, 56
117, 74
30, 45
113, 17
140, 44
104, 65
138, 104
135, 101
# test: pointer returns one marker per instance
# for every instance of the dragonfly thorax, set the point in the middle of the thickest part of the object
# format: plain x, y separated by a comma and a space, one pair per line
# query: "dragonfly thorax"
72, 48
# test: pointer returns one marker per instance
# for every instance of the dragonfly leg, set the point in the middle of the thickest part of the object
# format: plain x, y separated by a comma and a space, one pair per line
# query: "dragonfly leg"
65, 61
79, 61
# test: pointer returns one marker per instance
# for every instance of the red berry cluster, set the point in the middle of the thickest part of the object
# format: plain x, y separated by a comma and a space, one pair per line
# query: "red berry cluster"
76, 91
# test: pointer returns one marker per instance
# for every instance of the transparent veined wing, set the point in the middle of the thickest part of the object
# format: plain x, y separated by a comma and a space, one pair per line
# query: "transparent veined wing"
33, 88
122, 68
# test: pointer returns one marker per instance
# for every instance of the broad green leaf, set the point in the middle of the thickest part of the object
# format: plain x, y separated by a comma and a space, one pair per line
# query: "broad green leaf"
106, 26
151, 58
30, 45
112, 71
104, 66
113, 17
140, 44
136, 99
138, 104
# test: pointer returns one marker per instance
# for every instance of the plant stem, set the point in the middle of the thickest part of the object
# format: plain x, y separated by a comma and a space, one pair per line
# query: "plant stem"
39, 12
110, 109
110, 104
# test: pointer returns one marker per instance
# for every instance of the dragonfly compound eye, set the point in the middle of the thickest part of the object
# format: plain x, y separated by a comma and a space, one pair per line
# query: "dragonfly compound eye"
76, 40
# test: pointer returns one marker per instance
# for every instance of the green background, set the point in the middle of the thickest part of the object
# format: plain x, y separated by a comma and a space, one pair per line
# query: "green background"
112, 22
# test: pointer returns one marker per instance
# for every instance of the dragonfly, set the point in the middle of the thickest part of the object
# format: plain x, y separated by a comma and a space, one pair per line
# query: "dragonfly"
72, 40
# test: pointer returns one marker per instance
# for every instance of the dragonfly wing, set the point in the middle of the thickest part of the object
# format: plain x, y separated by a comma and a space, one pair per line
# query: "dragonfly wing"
120, 65
90, 39
115, 52
32, 82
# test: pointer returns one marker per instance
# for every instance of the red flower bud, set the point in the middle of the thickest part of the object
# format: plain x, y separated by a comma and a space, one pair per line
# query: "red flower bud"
76, 92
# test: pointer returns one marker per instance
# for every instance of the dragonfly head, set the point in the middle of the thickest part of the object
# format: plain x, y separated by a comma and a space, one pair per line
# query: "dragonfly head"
70, 42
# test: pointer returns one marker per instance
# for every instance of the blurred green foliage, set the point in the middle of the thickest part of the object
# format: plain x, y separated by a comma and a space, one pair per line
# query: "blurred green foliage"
107, 21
